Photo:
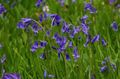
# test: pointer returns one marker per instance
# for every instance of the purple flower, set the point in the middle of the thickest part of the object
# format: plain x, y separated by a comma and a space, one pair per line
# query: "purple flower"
34, 46
75, 53
48, 33
11, 76
35, 28
45, 74
43, 44
55, 20
24, 23
38, 3
2, 9
114, 26
42, 56
104, 42
41, 18
67, 57
70, 44
84, 18
103, 68
112, 1
65, 27
88, 39
3, 58
89, 7
85, 28
95, 38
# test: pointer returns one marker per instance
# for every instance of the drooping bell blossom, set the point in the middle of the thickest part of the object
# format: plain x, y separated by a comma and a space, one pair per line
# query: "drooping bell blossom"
103, 68
56, 19
45, 74
114, 26
43, 44
3, 58
2, 9
67, 57
65, 27
89, 7
75, 53
11, 76
112, 1
70, 44
95, 38
34, 46
38, 3
48, 33
42, 56
85, 28
83, 19
88, 39
35, 27
104, 42
25, 22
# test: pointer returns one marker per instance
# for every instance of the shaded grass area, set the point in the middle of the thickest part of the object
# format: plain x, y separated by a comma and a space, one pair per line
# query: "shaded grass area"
17, 43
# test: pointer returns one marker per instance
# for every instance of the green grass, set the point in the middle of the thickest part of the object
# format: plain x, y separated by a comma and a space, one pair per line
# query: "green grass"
17, 42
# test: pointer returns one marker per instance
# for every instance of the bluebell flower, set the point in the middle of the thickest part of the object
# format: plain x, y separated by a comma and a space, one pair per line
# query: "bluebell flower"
34, 46
75, 53
45, 74
41, 18
112, 1
48, 33
84, 18
104, 42
103, 68
2, 9
89, 7
70, 44
42, 56
11, 76
35, 27
25, 22
114, 26
43, 44
88, 39
3, 58
65, 27
56, 19
95, 38
38, 3
85, 28
67, 57
1, 46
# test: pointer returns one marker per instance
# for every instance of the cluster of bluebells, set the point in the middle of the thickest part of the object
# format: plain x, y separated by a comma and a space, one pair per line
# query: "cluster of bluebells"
63, 42
2, 9
105, 66
8, 75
